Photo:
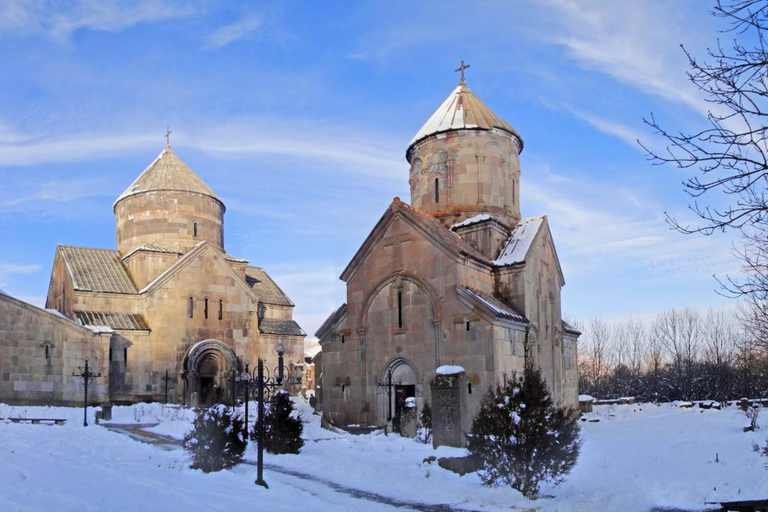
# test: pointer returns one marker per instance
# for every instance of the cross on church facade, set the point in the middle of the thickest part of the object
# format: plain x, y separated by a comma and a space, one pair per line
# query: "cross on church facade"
462, 68
168, 132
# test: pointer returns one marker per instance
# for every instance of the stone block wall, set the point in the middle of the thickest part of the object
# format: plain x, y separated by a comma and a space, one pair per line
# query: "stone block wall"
41, 350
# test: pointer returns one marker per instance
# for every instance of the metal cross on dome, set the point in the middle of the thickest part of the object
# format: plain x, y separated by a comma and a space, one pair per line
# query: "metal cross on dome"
168, 136
462, 68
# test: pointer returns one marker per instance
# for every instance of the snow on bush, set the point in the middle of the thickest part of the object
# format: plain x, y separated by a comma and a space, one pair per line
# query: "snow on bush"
522, 439
282, 431
216, 440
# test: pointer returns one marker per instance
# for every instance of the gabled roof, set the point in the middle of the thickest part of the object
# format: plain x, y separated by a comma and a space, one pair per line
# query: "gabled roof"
462, 110
492, 305
520, 242
118, 321
96, 270
149, 248
422, 221
282, 327
265, 288
191, 255
168, 172
331, 321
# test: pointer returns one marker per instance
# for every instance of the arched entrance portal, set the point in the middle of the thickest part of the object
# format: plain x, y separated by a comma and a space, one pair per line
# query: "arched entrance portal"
405, 384
208, 364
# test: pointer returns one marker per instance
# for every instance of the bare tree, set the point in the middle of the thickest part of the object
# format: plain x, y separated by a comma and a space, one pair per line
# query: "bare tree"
730, 153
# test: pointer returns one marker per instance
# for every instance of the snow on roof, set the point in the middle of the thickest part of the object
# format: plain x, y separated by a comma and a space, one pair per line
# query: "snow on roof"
98, 328
520, 241
449, 370
472, 220
58, 313
463, 110
586, 398
498, 308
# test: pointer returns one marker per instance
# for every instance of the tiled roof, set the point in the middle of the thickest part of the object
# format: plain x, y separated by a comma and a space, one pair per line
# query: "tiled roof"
150, 248
463, 110
493, 305
265, 287
168, 172
283, 327
96, 270
119, 321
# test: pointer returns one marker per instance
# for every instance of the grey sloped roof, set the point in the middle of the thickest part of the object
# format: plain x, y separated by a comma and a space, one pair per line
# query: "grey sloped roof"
96, 270
570, 329
462, 110
335, 317
119, 321
283, 327
265, 287
493, 305
168, 172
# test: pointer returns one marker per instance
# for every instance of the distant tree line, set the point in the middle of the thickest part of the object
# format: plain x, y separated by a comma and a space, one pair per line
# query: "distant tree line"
680, 354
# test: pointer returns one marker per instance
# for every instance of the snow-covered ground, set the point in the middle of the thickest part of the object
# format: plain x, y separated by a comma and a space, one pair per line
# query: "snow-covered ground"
636, 457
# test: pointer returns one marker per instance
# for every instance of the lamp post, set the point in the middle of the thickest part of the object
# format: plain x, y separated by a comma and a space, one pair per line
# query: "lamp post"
247, 381
261, 384
166, 379
86, 375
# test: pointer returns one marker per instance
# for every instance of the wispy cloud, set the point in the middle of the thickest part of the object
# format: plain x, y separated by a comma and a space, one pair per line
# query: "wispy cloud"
76, 148
625, 133
58, 191
635, 42
342, 148
10, 269
229, 33
596, 223
61, 19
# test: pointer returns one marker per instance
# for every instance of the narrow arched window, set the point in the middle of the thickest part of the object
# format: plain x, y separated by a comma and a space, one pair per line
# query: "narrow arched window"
400, 309
342, 338
125, 357
47, 351
191, 307
205, 308
437, 190
194, 229
221, 309
469, 388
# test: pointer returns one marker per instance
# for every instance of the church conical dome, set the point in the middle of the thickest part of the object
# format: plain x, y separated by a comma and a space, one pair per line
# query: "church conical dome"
465, 162
168, 172
462, 110
168, 206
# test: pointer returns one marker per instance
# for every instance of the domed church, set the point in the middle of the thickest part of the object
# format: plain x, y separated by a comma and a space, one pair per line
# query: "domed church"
454, 282
168, 299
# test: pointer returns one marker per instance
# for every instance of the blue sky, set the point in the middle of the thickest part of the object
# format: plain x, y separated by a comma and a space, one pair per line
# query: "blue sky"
298, 115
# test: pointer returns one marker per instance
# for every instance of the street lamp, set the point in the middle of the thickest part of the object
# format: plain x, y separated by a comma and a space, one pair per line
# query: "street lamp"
86, 375
261, 384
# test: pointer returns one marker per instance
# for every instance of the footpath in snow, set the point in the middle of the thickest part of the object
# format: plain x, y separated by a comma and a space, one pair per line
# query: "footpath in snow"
637, 457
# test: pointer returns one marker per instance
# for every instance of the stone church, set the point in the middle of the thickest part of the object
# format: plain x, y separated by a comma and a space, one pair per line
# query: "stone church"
168, 299
454, 279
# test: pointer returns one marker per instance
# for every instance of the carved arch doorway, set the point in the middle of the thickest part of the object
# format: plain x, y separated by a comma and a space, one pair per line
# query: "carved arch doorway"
208, 365
405, 384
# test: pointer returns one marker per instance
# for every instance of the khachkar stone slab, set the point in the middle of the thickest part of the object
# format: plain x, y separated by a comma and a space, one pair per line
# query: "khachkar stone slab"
448, 406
